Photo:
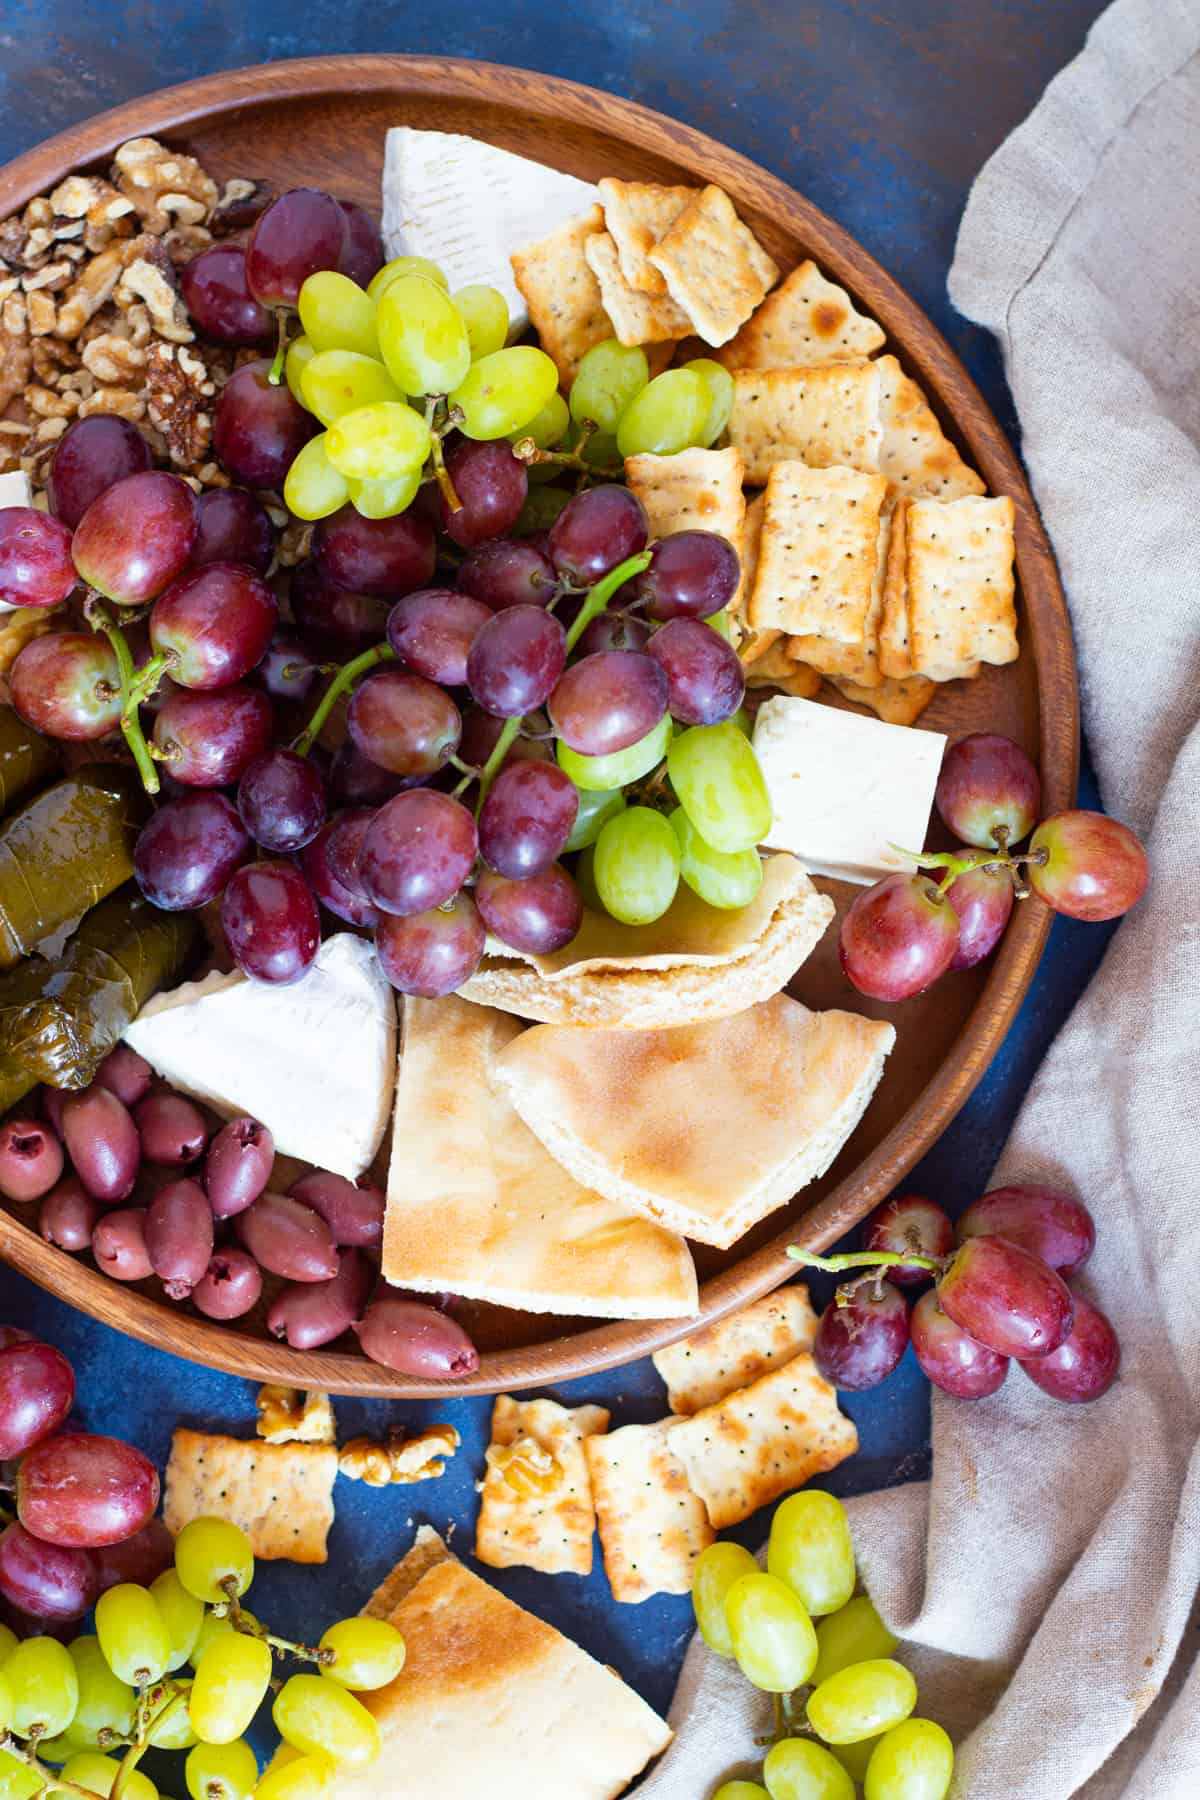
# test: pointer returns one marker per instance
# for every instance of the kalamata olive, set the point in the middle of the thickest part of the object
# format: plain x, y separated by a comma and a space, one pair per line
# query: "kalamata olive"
172, 1130
102, 1142
31, 1159
354, 1213
230, 1287
179, 1236
140, 1558
310, 1314
68, 1215
288, 1238
52, 1106
416, 1340
124, 1073
238, 1166
119, 1244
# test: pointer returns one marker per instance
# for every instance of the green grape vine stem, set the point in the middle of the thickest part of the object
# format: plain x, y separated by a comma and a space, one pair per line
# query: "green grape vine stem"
345, 678
137, 685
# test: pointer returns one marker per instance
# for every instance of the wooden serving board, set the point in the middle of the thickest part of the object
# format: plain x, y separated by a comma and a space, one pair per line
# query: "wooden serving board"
321, 121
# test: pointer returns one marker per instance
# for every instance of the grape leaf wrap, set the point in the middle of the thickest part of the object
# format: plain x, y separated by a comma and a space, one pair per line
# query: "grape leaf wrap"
27, 759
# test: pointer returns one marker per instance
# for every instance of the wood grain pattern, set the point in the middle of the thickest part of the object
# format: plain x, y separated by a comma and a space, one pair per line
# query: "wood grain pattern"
322, 121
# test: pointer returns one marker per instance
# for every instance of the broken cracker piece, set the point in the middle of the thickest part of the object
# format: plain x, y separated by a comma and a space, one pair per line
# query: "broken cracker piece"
638, 214
561, 292
286, 1416
701, 1369
915, 452
804, 322
825, 417
637, 318
652, 1526
774, 668
536, 1511
713, 265
820, 561
280, 1494
895, 659
895, 702
960, 586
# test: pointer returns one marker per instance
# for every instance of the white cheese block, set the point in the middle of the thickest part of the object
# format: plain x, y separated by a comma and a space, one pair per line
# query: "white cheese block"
467, 205
845, 788
315, 1062
15, 490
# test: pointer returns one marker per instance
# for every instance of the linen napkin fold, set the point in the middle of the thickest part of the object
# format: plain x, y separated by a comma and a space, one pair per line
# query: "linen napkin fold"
1045, 1579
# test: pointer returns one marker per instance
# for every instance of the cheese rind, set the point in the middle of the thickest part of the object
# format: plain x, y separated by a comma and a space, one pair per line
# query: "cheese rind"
844, 789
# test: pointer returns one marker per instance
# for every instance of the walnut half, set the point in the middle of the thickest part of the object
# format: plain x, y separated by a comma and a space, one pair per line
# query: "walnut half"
399, 1460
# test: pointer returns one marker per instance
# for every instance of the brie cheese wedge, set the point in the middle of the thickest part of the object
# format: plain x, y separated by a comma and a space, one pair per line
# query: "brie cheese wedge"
844, 788
466, 205
314, 1062
15, 490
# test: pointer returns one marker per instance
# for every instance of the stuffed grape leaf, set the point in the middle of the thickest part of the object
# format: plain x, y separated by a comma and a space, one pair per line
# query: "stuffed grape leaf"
27, 759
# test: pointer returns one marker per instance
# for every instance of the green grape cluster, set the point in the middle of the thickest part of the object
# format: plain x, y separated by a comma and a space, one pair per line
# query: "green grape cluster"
182, 1665
858, 1700
679, 410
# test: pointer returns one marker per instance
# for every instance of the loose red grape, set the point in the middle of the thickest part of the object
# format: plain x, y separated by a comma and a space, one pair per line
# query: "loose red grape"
179, 1236
538, 915
508, 572
433, 630
188, 849
1086, 865
288, 669
119, 1244
363, 256
492, 485
692, 574
67, 685
1006, 1298
595, 531
386, 557
217, 621
417, 852
431, 953
209, 740
136, 536
238, 1166
983, 901
288, 1238
527, 818
613, 631
37, 1391
31, 1159
231, 1286
305, 230
259, 429
416, 1340
35, 558
220, 302
1085, 1365
859, 1344
102, 1142
90, 455
314, 1313
988, 791
1043, 1220
333, 852
609, 701
270, 921
404, 723
84, 1490
705, 681
281, 799
125, 1074
952, 1360
354, 780
352, 1210
516, 661
909, 1222
47, 1580
173, 1131
67, 1216
140, 1558
898, 937
233, 527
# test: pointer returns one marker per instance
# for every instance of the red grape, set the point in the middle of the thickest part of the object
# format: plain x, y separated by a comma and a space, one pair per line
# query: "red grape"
692, 574
508, 572
1086, 865
288, 1238
613, 631
218, 622
125, 1074
416, 1340
37, 1391
179, 1236
233, 526
305, 230
90, 455
983, 901
387, 557
102, 1142
516, 661
31, 1159
354, 780
119, 1244
538, 915
404, 723
311, 1314
417, 852
209, 740
231, 1286
47, 1580
140, 1558
859, 1344
492, 485
270, 921
67, 685
527, 818
432, 631
287, 671
281, 799
338, 623
68, 1215
1006, 1298
898, 937
172, 1130
238, 1166
988, 791
1043, 1220
952, 1360
188, 849
608, 701
595, 531
334, 850
259, 429
35, 558
431, 953
352, 1210
84, 1490
363, 256
1085, 1365
136, 536
705, 680
221, 304
909, 1222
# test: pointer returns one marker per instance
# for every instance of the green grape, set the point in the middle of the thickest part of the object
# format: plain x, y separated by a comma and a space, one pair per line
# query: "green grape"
861, 1701
720, 390
312, 487
721, 878
741, 1790
610, 376
384, 499
221, 1771
719, 784
43, 1688
542, 506
336, 382
772, 1635
619, 767
798, 1769
547, 428
7, 1705
913, 1761
231, 1679
297, 1778
98, 1773
322, 1718
597, 448
854, 1634
174, 1731
213, 1627
500, 393
8, 1643
810, 1549
637, 865
404, 265
422, 336
336, 314
595, 810
484, 312
17, 1779
717, 1568
855, 1757
132, 1633
105, 1701
379, 443
719, 621
368, 1653
60, 1749
300, 354
667, 416
585, 878
742, 719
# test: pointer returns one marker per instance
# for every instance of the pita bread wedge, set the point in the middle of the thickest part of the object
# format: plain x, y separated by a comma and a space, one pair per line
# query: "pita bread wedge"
476, 1206
694, 963
653, 1120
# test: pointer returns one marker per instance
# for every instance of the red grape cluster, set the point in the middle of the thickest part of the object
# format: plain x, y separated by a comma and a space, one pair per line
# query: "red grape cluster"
1000, 1296
139, 1176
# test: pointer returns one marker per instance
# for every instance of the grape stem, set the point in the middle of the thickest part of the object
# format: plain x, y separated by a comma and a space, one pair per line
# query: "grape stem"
147, 1717
866, 1259
275, 375
136, 685
491, 768
600, 595
441, 473
346, 676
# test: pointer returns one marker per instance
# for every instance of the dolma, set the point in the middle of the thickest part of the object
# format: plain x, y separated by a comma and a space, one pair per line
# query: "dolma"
27, 760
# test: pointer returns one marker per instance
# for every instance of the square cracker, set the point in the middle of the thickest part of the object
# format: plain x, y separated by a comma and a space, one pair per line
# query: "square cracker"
774, 668
637, 318
802, 323
916, 453
550, 1531
638, 213
823, 543
960, 586
280, 1494
854, 662
895, 658
652, 1526
823, 416
713, 265
763, 1441
895, 702
703, 1368
695, 490
561, 292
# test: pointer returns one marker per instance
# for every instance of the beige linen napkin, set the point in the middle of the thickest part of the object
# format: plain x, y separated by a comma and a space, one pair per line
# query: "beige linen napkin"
1046, 1578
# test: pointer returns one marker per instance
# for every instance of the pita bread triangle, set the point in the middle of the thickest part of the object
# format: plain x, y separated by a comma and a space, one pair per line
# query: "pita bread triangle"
477, 1207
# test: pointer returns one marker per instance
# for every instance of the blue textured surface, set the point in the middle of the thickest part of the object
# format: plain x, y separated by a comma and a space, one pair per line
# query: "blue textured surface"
882, 111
